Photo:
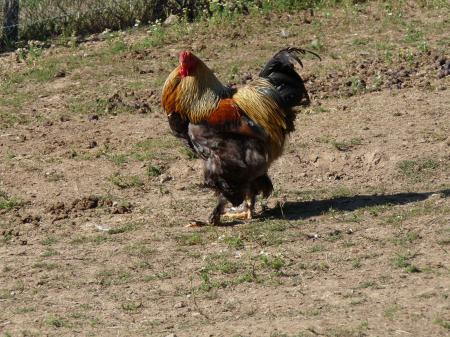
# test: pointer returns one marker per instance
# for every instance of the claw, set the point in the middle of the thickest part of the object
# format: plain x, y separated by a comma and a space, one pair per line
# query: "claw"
195, 223
246, 215
214, 219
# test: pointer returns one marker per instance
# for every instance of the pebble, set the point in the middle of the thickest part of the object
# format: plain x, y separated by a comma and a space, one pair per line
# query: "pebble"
171, 19
92, 144
164, 178
179, 305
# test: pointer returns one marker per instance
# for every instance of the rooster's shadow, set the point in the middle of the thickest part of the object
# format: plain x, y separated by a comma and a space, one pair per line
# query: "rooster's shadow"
293, 210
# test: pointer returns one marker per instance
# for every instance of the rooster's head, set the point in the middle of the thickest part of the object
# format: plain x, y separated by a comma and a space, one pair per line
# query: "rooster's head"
188, 63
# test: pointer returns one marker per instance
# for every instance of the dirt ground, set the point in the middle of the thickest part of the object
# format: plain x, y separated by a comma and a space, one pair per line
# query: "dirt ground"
95, 191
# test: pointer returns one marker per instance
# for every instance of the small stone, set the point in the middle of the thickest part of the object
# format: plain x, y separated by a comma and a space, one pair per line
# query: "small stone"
171, 19
171, 335
93, 117
60, 73
179, 305
92, 144
164, 178
435, 196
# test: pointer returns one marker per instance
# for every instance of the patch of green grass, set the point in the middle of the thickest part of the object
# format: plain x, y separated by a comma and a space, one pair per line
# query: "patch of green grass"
118, 46
376, 210
131, 306
407, 238
57, 322
154, 171
155, 148
404, 261
358, 301
221, 271
320, 266
442, 322
341, 146
377, 82
45, 265
265, 233
220, 263
157, 37
417, 170
312, 312
187, 153
360, 42
158, 276
234, 241
391, 311
412, 35
97, 239
7, 238
317, 45
356, 263
316, 110
118, 158
24, 310
342, 192
87, 106
136, 85
8, 203
316, 248
49, 240
123, 229
273, 263
367, 284
49, 252
113, 277
358, 85
139, 249
425, 208
190, 239
125, 181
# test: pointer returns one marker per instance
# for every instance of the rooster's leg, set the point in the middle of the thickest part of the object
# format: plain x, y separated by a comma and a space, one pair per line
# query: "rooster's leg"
214, 218
247, 213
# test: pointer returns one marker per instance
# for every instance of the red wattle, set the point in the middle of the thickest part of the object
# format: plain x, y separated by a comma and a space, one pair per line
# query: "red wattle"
183, 72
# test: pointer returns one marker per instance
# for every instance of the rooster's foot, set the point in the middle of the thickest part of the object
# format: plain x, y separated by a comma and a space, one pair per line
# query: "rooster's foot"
195, 223
246, 215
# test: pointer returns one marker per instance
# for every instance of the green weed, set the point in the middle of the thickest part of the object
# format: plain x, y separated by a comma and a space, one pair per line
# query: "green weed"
404, 261
190, 239
391, 311
154, 171
234, 242
57, 322
442, 322
125, 181
8, 203
417, 170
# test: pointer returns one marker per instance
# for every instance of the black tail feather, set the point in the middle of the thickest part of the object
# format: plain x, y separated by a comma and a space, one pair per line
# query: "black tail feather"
281, 73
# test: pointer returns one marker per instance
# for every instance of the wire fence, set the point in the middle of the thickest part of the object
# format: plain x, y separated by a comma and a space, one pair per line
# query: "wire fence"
24, 20
40, 19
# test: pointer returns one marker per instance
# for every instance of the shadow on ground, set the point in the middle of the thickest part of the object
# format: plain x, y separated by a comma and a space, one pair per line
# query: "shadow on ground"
305, 209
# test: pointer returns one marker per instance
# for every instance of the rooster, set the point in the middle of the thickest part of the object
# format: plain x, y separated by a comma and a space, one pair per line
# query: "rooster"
238, 132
